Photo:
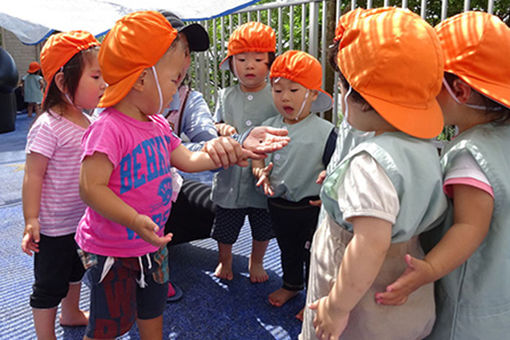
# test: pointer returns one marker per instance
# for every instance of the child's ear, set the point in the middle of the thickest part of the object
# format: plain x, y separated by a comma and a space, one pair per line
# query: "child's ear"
461, 90
314, 95
59, 81
365, 107
140, 82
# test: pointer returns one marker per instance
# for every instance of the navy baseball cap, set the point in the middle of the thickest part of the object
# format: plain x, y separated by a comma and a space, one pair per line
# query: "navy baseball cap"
197, 36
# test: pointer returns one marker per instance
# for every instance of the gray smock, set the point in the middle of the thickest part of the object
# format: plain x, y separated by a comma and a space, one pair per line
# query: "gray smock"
413, 167
235, 187
474, 300
297, 166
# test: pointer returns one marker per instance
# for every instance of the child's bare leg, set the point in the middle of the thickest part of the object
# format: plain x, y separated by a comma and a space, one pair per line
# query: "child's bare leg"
44, 322
279, 297
38, 109
30, 109
256, 267
224, 268
71, 314
150, 329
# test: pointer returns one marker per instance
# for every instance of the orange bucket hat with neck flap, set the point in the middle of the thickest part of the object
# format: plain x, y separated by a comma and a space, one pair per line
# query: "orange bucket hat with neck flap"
33, 67
393, 59
302, 68
59, 49
136, 42
477, 49
250, 37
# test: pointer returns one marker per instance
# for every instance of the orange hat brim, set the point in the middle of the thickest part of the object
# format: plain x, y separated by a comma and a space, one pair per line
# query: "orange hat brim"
426, 122
116, 92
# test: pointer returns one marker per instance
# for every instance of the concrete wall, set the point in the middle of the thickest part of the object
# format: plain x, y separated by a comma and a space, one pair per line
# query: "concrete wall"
22, 54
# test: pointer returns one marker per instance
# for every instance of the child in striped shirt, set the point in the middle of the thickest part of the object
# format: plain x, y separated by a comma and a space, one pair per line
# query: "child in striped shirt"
51, 202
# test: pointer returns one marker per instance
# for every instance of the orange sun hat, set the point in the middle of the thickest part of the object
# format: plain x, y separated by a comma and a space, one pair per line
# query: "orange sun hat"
477, 49
250, 37
393, 58
136, 42
302, 68
59, 49
33, 67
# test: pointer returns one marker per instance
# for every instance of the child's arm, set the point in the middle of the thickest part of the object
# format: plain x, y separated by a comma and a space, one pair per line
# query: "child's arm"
472, 216
95, 173
261, 173
360, 265
197, 161
35, 168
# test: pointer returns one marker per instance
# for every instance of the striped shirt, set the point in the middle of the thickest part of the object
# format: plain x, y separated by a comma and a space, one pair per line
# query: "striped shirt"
59, 140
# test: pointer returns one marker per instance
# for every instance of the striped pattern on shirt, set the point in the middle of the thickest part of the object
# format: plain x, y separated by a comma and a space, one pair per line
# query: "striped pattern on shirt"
59, 140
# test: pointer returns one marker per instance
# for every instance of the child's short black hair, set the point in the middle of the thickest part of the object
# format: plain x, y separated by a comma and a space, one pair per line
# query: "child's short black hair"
73, 70
271, 56
495, 109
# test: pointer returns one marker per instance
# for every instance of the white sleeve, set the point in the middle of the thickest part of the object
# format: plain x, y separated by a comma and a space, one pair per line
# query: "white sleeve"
367, 191
465, 166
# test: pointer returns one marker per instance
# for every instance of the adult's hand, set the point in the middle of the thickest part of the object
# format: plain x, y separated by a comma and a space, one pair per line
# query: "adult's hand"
264, 139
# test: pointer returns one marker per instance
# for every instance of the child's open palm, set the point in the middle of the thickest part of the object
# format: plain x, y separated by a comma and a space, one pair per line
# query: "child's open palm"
263, 179
31, 237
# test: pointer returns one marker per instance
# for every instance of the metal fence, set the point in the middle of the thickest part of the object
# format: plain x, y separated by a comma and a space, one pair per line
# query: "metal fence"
298, 25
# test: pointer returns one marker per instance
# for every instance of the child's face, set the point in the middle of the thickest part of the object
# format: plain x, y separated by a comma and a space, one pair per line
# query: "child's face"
91, 85
251, 68
168, 69
291, 99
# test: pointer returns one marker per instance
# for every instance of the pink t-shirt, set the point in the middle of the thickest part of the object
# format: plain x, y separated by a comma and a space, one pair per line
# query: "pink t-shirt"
140, 154
58, 139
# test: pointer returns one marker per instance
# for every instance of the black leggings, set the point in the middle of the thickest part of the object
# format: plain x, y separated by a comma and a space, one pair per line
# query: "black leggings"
294, 224
192, 215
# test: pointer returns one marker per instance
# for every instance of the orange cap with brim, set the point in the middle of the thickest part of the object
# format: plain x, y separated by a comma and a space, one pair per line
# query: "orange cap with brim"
250, 37
393, 58
59, 49
477, 49
136, 42
33, 67
302, 68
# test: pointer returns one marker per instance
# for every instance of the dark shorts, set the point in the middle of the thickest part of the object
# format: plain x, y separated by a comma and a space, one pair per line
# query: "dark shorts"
55, 266
228, 223
118, 300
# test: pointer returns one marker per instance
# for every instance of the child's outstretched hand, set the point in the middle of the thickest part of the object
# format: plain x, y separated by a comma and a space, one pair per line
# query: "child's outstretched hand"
265, 139
319, 180
145, 227
417, 273
328, 323
262, 174
31, 236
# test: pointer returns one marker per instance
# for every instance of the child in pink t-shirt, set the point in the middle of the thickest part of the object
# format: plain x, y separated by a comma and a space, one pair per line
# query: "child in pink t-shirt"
126, 180
51, 202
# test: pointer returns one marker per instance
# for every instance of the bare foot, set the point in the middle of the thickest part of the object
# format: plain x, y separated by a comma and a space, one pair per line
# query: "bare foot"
279, 297
79, 318
257, 272
224, 271
299, 315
